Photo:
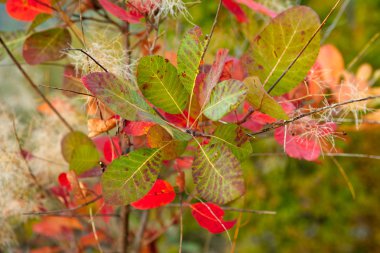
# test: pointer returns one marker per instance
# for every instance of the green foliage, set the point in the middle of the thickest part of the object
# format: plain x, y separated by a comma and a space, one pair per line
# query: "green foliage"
225, 97
189, 57
160, 84
129, 178
84, 157
235, 138
279, 44
217, 174
79, 151
260, 99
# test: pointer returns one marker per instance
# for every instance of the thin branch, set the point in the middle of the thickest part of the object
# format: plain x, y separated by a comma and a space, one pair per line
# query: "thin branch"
336, 20
227, 208
246, 117
34, 178
72, 91
68, 210
88, 55
140, 232
125, 229
362, 52
286, 122
348, 155
212, 29
304, 48
34, 86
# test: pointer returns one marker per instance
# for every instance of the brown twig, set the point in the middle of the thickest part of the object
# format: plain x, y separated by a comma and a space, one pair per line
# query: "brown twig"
304, 48
140, 232
34, 86
212, 29
88, 55
68, 210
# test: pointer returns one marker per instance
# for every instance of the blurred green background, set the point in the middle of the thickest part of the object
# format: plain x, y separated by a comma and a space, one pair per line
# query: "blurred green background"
315, 210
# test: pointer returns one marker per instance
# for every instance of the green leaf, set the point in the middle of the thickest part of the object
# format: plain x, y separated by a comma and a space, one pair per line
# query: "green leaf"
125, 100
158, 81
189, 57
46, 46
13, 39
84, 157
225, 97
217, 174
279, 44
71, 141
260, 99
235, 138
38, 20
129, 178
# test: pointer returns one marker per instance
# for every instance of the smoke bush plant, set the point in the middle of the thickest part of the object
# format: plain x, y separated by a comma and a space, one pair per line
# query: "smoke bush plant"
166, 126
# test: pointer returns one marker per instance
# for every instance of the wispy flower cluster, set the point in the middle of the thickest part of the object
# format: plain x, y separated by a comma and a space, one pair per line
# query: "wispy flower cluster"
108, 52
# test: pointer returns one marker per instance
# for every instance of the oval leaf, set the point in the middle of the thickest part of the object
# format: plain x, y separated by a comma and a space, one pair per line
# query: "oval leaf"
84, 157
210, 217
235, 138
261, 101
279, 44
217, 174
160, 84
71, 141
189, 57
129, 178
162, 193
46, 46
225, 97
27, 10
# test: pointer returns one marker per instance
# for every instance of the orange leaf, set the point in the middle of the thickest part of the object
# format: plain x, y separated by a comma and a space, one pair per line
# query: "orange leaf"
55, 226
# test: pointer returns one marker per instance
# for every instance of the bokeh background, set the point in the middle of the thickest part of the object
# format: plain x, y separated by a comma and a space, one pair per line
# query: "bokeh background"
315, 209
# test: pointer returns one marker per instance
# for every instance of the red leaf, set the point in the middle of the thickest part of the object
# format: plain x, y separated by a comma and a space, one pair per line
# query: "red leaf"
119, 12
64, 181
111, 150
297, 147
162, 193
235, 9
258, 7
210, 217
137, 128
27, 10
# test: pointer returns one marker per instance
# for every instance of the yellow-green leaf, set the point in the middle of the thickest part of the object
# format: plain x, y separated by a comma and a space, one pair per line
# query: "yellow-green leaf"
279, 44
260, 99
158, 81
217, 174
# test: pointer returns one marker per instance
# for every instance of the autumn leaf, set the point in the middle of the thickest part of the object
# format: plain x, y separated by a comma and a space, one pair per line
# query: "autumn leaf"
27, 10
119, 12
210, 217
217, 173
235, 9
46, 46
162, 193
129, 178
